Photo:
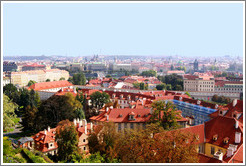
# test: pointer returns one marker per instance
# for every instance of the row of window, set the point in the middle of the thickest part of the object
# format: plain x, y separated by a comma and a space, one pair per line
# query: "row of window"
131, 125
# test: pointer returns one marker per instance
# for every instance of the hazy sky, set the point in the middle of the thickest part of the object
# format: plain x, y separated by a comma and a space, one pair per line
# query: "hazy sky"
80, 29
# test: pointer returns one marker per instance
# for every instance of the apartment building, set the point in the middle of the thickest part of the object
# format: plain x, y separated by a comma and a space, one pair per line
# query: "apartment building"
119, 67
22, 78
199, 83
97, 66
34, 66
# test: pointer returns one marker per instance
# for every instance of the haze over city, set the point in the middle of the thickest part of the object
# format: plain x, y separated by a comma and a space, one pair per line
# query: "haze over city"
82, 29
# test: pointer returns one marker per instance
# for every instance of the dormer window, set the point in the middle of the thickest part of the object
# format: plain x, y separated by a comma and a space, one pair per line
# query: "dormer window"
226, 140
215, 137
120, 115
234, 115
139, 115
131, 117
221, 113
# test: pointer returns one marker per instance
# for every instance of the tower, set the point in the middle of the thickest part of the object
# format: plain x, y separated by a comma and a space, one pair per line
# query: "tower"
196, 66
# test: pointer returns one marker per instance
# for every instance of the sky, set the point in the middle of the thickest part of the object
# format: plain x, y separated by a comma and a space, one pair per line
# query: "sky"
82, 29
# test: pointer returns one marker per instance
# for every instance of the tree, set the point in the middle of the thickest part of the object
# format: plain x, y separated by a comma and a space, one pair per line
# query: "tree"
67, 140
31, 82
165, 114
9, 115
149, 73
141, 86
47, 80
175, 147
215, 98
178, 88
29, 122
161, 86
108, 76
98, 99
79, 79
11, 91
57, 108
62, 78
105, 140
169, 87
136, 85
188, 94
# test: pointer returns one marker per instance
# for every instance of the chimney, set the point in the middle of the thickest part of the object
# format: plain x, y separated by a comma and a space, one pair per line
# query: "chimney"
74, 90
74, 121
111, 107
237, 137
231, 149
45, 131
236, 124
84, 122
91, 126
107, 117
48, 128
80, 123
107, 109
218, 155
234, 102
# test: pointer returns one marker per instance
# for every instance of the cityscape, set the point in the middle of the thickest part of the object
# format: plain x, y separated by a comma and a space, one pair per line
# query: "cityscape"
128, 107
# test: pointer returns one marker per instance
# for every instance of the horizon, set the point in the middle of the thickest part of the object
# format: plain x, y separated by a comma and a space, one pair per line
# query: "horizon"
152, 29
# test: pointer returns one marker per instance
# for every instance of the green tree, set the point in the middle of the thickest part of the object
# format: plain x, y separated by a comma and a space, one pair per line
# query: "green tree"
98, 99
47, 80
169, 87
62, 78
141, 86
136, 85
79, 79
188, 94
31, 82
149, 73
161, 86
57, 108
165, 114
9, 115
178, 88
11, 91
29, 122
67, 140
108, 76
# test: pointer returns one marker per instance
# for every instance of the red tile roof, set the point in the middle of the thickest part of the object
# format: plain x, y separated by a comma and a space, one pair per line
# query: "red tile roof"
223, 83
49, 85
122, 115
223, 127
206, 159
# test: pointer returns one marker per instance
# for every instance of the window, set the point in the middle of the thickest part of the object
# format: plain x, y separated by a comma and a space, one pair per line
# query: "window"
144, 125
131, 126
119, 126
212, 150
84, 148
125, 125
83, 140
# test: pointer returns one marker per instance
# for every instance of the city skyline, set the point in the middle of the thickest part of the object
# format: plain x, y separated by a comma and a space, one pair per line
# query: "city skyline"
81, 29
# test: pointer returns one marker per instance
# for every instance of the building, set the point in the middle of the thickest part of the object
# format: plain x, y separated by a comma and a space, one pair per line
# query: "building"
128, 118
45, 142
76, 67
196, 66
9, 66
219, 140
96, 66
22, 78
178, 72
204, 83
229, 86
120, 67
47, 89
33, 66
197, 111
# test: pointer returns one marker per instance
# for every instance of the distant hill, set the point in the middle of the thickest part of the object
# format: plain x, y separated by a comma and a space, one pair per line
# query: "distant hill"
30, 58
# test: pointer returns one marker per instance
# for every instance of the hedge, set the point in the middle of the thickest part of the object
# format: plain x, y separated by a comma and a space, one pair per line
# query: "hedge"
31, 156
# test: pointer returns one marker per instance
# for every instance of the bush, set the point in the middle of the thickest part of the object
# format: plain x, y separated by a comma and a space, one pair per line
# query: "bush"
33, 158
